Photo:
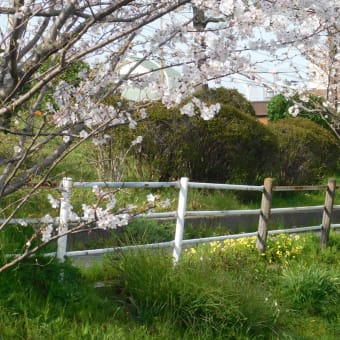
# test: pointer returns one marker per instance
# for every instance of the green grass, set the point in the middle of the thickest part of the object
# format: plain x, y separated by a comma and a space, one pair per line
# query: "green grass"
298, 199
217, 291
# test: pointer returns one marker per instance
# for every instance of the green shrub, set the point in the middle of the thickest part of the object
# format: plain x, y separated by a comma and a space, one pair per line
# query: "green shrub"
235, 148
308, 152
231, 147
165, 137
225, 96
167, 142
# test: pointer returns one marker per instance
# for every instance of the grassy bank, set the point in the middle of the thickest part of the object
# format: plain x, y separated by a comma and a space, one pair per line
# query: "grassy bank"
220, 290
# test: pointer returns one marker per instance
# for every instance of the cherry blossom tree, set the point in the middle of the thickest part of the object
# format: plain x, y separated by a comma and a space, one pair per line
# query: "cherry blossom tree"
46, 116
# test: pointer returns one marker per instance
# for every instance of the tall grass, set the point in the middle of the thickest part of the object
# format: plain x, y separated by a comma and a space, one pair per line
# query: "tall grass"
198, 299
312, 288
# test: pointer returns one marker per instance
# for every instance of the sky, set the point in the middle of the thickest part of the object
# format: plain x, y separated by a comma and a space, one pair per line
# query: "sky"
271, 72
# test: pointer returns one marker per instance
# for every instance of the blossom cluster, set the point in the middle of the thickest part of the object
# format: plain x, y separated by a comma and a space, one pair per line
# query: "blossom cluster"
104, 218
102, 215
206, 112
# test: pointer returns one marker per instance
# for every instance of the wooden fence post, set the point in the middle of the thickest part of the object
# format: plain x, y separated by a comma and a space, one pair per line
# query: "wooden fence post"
327, 212
266, 202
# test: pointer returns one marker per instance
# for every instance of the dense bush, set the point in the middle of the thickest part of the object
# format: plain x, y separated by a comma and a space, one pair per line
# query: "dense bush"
225, 96
308, 152
232, 147
166, 136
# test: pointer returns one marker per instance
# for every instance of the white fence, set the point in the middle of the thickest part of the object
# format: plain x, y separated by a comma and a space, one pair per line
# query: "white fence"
183, 186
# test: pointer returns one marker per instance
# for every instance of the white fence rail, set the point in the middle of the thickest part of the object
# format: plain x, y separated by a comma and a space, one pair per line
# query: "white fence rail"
183, 185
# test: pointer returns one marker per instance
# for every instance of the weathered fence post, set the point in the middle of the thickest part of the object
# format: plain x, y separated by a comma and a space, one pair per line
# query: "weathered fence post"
66, 188
266, 202
327, 212
182, 202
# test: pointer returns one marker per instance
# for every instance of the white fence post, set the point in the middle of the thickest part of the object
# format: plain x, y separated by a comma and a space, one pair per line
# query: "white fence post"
182, 202
66, 188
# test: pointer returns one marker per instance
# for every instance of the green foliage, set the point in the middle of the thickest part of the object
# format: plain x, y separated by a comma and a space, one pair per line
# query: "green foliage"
232, 147
140, 231
218, 290
230, 97
163, 151
116, 101
42, 298
308, 152
41, 278
278, 106
70, 74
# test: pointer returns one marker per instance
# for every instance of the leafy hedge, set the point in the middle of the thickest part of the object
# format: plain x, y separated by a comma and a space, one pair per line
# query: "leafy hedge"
232, 147
225, 96
307, 151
